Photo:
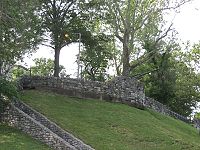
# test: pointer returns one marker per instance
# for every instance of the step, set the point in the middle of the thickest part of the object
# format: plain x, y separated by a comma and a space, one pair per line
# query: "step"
75, 142
20, 120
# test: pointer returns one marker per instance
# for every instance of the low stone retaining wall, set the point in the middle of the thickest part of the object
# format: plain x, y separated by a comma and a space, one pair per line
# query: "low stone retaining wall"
121, 89
17, 118
159, 107
78, 144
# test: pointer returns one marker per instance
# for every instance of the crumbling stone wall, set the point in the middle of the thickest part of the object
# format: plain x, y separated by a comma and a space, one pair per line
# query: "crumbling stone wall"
17, 118
120, 89
126, 90
159, 107
78, 144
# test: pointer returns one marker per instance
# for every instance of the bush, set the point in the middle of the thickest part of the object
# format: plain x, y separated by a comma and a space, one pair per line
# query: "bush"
7, 91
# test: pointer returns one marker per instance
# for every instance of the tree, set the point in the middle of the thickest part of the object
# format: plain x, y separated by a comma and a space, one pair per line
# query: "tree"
170, 78
148, 49
128, 18
162, 81
18, 71
186, 91
197, 115
18, 35
7, 92
188, 79
45, 67
95, 57
60, 20
19, 32
158, 72
42, 67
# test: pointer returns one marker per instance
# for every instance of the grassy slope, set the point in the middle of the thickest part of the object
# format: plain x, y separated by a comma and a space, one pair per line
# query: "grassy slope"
108, 126
12, 139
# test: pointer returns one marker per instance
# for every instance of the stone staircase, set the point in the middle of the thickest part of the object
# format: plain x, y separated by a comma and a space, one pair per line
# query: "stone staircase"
67, 139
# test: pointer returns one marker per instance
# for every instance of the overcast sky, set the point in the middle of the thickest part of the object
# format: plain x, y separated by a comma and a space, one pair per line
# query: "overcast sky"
187, 23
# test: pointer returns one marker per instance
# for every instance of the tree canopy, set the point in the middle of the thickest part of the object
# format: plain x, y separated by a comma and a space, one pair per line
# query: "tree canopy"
61, 21
131, 36
19, 31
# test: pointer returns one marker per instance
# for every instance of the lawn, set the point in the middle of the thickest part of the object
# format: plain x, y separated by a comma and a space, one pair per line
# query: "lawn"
13, 139
111, 126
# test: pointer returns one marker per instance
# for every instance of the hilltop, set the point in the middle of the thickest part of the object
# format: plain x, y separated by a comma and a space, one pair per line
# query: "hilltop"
105, 125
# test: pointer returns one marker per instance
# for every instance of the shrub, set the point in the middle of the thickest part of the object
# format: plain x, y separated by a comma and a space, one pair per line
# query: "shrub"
7, 91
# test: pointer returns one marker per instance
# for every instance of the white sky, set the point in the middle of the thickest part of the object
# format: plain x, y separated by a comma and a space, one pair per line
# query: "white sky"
68, 57
187, 23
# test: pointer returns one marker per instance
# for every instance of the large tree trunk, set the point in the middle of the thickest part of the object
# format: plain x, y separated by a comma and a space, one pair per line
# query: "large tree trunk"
126, 65
126, 55
56, 62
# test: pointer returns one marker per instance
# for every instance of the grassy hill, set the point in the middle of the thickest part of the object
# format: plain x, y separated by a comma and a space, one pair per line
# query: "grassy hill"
12, 139
111, 126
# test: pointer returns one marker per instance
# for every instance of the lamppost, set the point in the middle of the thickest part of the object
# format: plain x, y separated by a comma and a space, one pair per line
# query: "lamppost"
79, 50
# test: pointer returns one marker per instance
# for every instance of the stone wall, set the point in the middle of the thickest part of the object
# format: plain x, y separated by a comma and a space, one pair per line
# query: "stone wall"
69, 138
159, 107
121, 89
17, 118
125, 89
196, 123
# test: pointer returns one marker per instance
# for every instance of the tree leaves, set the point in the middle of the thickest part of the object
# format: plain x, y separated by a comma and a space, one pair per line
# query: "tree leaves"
95, 57
19, 33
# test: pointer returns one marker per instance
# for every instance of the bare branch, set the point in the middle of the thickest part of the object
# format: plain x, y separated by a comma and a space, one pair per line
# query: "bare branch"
176, 6
140, 75
48, 45
119, 37
66, 10
165, 34
143, 59
121, 15
116, 21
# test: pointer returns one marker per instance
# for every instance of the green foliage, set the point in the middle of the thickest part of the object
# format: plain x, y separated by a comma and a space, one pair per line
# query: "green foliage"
19, 31
130, 20
161, 83
170, 78
60, 18
110, 126
158, 72
45, 67
187, 83
7, 92
42, 67
197, 115
19, 35
7, 88
95, 57
18, 71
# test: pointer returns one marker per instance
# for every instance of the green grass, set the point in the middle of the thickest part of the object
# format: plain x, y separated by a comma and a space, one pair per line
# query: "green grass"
111, 126
13, 139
